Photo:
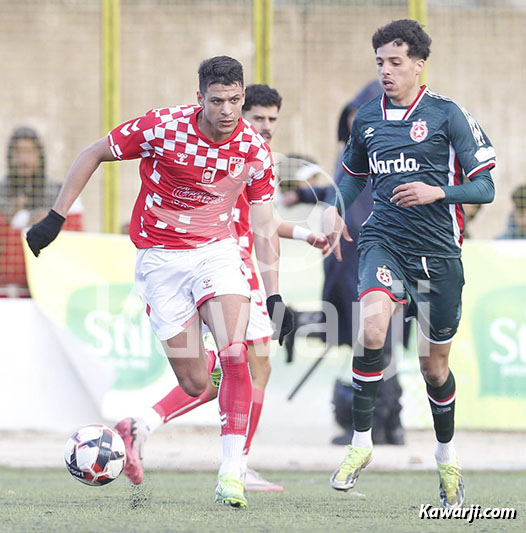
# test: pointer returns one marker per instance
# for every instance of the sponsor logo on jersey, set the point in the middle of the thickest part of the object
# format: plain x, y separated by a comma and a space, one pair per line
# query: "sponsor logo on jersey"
203, 197
485, 153
419, 131
400, 164
134, 127
368, 133
383, 275
474, 127
181, 158
235, 166
208, 175
207, 283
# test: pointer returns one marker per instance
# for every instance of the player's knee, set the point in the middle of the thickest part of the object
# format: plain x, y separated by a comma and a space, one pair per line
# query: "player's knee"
234, 354
374, 337
261, 374
193, 384
435, 376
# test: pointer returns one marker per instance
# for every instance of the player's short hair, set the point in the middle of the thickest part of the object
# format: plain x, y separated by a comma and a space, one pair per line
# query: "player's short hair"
220, 69
404, 31
261, 94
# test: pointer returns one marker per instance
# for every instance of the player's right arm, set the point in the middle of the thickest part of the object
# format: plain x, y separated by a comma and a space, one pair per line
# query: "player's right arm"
80, 172
44, 232
130, 140
356, 164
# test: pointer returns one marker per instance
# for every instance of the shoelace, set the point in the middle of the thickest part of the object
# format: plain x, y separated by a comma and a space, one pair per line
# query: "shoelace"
234, 482
351, 458
451, 477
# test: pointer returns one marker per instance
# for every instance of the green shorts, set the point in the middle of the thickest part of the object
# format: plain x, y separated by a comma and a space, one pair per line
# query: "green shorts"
431, 286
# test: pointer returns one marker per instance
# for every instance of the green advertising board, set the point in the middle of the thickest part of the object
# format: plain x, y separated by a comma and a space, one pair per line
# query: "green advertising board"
488, 355
110, 318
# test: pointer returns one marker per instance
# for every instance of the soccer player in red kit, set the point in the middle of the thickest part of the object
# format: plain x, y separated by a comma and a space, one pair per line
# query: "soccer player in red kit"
261, 109
195, 162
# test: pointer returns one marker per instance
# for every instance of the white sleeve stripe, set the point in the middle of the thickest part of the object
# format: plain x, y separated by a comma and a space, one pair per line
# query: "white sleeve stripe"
487, 164
356, 174
261, 201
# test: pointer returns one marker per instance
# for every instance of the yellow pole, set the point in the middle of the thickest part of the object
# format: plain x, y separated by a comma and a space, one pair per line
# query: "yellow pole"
262, 23
418, 11
111, 108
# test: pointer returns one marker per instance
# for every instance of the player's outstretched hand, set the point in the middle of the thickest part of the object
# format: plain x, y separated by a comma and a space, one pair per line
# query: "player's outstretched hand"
320, 241
44, 232
334, 227
281, 316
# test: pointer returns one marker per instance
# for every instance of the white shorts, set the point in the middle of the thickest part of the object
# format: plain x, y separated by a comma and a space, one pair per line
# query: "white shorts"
174, 283
259, 326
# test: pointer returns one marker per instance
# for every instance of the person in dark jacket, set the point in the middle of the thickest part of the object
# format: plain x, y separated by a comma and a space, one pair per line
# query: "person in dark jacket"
26, 194
341, 287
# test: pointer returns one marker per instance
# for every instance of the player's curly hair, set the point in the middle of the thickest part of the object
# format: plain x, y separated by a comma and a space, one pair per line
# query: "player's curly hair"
404, 31
261, 94
220, 69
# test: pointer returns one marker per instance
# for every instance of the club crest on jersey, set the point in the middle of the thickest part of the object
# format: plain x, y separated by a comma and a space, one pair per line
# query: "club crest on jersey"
419, 131
208, 175
383, 275
235, 166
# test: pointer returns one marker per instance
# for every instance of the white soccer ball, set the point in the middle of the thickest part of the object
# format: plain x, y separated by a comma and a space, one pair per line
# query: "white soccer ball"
95, 455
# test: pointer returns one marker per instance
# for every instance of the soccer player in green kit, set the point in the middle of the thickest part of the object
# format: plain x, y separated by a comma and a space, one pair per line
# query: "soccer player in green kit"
415, 144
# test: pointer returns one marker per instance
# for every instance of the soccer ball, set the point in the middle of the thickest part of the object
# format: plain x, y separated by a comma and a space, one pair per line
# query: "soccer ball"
95, 455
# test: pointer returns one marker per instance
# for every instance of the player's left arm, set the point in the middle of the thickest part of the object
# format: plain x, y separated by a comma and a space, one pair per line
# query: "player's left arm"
266, 244
476, 157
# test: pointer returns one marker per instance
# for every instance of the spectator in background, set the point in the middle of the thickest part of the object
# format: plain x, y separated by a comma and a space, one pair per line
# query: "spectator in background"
341, 280
516, 228
26, 194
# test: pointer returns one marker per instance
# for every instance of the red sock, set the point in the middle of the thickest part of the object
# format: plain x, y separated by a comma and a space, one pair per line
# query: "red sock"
255, 412
235, 392
177, 402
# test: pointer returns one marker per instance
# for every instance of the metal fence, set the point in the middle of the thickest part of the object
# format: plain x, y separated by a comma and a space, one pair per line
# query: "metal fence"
318, 55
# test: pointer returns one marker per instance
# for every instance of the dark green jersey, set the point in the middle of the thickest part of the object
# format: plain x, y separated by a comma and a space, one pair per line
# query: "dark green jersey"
432, 141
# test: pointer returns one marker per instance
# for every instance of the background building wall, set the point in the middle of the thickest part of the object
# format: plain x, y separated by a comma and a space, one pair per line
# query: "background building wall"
51, 62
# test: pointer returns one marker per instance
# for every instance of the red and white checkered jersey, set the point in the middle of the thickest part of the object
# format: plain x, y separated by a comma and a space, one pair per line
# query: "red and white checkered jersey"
242, 226
245, 240
189, 184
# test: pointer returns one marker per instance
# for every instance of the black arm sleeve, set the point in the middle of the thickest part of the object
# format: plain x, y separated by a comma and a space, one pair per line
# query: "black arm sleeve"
350, 187
480, 190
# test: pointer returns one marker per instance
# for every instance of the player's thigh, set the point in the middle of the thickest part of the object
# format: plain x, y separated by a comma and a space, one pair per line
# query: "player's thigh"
380, 269
259, 330
258, 336
187, 358
436, 298
381, 289
376, 309
221, 292
227, 317
185, 350
259, 362
163, 279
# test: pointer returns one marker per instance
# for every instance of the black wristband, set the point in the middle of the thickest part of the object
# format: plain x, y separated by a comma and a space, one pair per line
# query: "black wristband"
55, 216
